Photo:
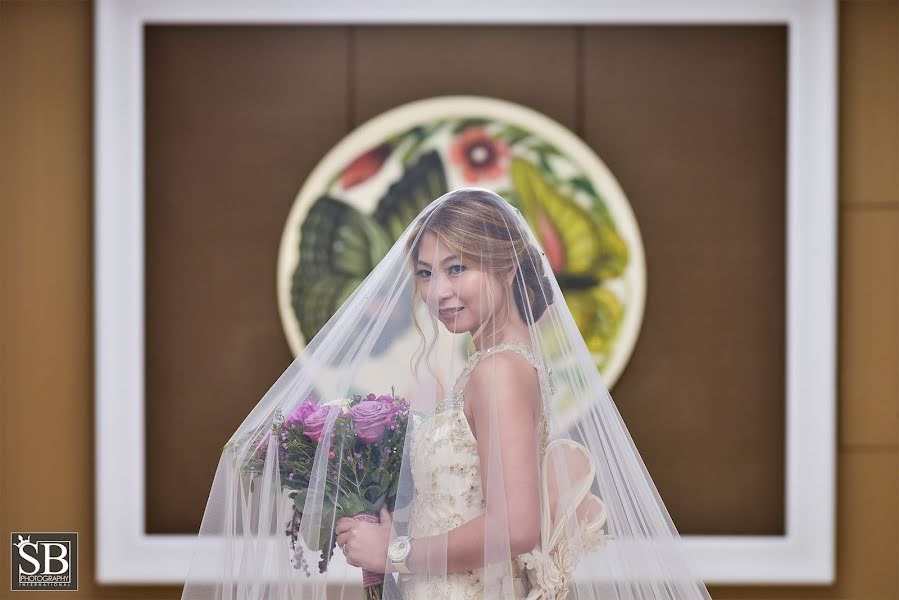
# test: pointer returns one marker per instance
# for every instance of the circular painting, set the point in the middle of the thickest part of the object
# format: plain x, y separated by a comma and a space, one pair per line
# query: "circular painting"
380, 176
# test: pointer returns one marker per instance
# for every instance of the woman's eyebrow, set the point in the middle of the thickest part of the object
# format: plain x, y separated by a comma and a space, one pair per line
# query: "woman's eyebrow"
451, 256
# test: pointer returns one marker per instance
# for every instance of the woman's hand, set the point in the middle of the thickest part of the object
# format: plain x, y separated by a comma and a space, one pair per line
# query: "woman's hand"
366, 543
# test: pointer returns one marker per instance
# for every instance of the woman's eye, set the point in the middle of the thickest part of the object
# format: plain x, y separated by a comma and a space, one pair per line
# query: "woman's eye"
423, 273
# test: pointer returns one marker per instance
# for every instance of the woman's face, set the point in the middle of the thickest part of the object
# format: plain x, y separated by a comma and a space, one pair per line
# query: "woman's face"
454, 291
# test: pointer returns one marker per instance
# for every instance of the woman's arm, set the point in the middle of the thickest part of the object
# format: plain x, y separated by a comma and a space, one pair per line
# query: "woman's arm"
513, 403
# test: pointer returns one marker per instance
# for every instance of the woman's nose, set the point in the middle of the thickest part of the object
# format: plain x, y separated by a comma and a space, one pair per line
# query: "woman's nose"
441, 289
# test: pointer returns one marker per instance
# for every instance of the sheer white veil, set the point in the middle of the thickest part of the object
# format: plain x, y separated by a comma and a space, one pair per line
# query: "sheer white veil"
488, 433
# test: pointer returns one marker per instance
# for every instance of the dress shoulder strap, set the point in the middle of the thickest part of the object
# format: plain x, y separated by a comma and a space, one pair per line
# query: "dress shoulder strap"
523, 349
455, 398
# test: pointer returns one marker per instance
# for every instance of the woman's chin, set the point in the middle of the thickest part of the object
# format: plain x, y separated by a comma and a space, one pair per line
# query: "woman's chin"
453, 325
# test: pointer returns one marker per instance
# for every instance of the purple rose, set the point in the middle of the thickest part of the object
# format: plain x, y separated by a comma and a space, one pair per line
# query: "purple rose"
388, 401
371, 417
299, 414
315, 421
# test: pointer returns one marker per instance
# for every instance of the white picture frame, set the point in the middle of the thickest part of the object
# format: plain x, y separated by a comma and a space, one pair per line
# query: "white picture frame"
126, 554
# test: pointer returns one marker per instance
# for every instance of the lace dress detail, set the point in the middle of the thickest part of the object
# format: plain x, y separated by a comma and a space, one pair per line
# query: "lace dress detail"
447, 481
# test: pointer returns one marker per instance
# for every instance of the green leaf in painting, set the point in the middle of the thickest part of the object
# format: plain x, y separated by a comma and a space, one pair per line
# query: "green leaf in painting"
512, 135
470, 122
324, 279
546, 149
405, 199
584, 184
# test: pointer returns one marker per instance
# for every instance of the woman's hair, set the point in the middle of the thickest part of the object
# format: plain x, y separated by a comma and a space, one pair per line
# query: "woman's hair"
477, 229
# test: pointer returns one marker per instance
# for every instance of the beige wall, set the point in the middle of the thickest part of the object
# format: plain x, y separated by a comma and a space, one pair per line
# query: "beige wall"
46, 366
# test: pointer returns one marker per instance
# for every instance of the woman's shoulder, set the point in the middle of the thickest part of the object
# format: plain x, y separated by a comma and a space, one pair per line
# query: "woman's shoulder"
512, 371
503, 382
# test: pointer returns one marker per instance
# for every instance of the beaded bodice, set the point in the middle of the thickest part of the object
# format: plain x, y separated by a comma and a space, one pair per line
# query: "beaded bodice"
456, 400
446, 477
445, 459
455, 396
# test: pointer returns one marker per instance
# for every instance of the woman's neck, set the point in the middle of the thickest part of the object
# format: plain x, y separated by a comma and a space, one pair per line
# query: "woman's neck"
509, 338
515, 330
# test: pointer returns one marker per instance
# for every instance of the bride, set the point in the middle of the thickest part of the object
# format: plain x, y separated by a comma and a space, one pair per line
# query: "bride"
497, 467
500, 378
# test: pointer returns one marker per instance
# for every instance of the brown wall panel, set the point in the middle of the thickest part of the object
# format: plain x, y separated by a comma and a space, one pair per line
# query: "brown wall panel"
651, 95
46, 338
534, 66
692, 122
868, 101
236, 117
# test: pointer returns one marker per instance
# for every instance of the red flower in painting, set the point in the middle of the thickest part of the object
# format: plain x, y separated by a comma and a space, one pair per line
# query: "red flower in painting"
479, 155
365, 166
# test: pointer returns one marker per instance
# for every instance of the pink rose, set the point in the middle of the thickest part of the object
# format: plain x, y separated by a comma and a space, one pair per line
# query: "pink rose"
387, 400
315, 421
299, 414
371, 417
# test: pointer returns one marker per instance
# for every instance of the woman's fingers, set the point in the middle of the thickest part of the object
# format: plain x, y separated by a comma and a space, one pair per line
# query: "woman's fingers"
341, 540
343, 537
343, 524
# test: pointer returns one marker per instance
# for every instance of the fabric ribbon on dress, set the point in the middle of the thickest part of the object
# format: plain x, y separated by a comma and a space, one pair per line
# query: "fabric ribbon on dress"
572, 520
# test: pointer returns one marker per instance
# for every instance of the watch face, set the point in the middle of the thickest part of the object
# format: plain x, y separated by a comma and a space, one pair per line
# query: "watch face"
398, 548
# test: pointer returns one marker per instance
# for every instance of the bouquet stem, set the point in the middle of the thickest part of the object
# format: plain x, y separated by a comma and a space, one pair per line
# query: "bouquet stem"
372, 582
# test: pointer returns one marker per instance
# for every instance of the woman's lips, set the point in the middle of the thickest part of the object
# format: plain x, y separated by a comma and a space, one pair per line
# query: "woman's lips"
450, 311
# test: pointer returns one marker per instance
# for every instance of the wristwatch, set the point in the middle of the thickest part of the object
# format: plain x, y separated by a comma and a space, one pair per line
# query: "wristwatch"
398, 551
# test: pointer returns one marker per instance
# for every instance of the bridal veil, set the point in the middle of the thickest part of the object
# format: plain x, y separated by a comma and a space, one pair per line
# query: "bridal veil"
452, 386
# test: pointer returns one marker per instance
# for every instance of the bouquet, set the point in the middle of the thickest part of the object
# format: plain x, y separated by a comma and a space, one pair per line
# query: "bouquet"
363, 467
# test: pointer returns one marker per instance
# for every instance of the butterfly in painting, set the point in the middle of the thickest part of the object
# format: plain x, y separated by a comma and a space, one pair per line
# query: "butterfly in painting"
340, 245
583, 248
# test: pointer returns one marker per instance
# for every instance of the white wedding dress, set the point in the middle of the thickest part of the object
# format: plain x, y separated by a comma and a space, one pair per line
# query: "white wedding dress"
446, 476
